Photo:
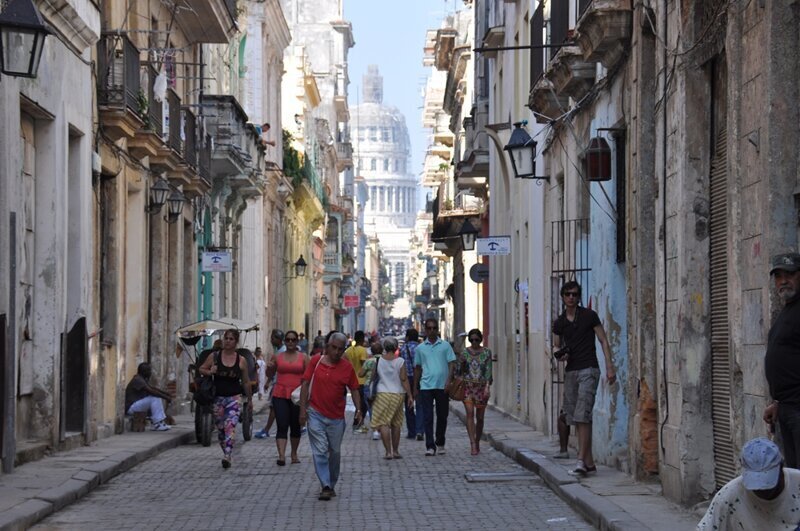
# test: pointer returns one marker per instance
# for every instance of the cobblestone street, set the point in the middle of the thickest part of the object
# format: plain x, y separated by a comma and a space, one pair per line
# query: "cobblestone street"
186, 488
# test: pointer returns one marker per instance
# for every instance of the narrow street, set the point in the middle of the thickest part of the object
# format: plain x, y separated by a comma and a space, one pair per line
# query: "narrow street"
186, 488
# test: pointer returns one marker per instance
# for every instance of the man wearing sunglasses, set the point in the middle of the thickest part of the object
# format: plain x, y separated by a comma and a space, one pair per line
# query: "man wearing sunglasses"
434, 362
575, 332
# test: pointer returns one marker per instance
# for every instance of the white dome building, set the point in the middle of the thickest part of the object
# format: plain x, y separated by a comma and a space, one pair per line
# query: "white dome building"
382, 157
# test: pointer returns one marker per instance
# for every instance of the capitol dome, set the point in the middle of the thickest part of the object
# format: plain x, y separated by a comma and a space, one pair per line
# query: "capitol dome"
381, 153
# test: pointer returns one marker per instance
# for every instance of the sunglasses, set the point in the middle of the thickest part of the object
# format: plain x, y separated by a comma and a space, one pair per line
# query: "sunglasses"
571, 294
474, 339
290, 339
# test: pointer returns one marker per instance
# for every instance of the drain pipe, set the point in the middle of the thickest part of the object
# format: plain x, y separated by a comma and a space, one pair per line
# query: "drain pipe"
664, 148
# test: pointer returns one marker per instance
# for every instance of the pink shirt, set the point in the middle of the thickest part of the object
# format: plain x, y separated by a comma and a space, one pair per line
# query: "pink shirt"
289, 375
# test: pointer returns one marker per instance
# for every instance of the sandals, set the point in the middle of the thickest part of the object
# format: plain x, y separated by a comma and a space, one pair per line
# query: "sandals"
387, 457
397, 456
281, 462
295, 460
474, 449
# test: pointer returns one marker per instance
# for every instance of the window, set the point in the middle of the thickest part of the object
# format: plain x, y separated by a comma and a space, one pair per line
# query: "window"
386, 164
373, 164
386, 134
373, 134
396, 165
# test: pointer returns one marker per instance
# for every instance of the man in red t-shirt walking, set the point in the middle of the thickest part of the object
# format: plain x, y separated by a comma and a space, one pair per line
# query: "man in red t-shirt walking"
322, 403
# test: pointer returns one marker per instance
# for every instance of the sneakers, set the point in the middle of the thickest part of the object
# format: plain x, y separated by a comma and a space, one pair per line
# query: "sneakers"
363, 429
440, 450
579, 470
430, 452
376, 436
303, 431
561, 455
326, 494
160, 426
420, 437
261, 434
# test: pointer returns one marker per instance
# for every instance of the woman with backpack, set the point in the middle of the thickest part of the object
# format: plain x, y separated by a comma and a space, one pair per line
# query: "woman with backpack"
231, 380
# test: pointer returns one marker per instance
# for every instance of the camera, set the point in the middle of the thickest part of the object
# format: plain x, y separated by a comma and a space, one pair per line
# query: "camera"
560, 353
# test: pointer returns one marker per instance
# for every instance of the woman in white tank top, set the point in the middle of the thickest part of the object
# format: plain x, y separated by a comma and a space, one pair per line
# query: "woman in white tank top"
390, 389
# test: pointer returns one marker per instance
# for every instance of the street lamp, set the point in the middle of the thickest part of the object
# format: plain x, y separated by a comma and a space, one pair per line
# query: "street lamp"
300, 267
22, 35
340, 299
522, 149
468, 234
175, 205
158, 196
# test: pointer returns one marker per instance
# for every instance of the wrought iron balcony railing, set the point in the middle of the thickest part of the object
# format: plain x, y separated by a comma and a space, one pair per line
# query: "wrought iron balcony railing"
118, 74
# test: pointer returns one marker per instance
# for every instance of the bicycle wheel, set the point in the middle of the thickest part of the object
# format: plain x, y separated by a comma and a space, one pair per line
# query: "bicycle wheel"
247, 422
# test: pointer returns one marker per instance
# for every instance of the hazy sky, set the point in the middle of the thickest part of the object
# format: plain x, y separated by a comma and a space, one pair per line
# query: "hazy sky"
391, 35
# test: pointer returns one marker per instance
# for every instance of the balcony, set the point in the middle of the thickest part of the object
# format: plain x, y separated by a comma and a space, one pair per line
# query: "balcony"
570, 73
545, 102
604, 30
443, 49
119, 93
201, 183
147, 142
208, 21
226, 122
344, 154
168, 157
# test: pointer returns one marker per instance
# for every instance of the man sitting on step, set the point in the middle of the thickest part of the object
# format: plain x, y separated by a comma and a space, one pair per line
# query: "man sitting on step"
141, 397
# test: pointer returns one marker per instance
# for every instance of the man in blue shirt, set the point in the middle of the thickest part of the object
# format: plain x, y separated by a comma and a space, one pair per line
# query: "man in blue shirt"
414, 417
434, 362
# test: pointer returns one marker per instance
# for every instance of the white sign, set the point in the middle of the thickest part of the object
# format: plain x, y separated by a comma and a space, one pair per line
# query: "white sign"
494, 245
217, 262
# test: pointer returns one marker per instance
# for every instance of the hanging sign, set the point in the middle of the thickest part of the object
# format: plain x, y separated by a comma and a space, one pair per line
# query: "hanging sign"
479, 273
351, 301
494, 245
216, 262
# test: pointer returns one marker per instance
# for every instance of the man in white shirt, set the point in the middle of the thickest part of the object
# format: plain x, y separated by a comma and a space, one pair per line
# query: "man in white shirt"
765, 496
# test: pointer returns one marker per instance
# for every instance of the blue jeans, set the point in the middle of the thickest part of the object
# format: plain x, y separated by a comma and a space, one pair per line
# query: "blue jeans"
415, 420
325, 436
427, 397
789, 422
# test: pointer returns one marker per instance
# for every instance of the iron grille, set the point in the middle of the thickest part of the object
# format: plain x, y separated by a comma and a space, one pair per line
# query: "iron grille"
537, 39
118, 82
174, 124
190, 141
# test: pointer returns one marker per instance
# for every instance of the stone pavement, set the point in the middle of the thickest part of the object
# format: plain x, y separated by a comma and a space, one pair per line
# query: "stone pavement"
609, 499
186, 488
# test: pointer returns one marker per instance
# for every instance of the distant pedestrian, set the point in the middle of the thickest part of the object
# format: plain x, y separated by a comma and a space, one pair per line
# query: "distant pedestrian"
141, 397
782, 360
393, 392
261, 370
475, 367
231, 380
366, 372
288, 368
764, 497
576, 330
319, 346
302, 342
415, 420
434, 364
326, 380
357, 355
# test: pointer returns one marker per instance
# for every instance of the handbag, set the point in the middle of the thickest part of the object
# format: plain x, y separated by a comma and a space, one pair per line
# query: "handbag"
373, 388
206, 391
296, 391
456, 389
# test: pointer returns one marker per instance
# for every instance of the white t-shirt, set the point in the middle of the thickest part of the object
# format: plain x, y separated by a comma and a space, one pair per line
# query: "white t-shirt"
389, 375
735, 507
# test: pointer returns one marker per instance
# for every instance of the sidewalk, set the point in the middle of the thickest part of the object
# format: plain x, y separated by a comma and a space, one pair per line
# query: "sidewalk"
609, 499
38, 489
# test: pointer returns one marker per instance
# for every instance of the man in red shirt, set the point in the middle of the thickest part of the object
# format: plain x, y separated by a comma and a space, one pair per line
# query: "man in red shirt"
322, 403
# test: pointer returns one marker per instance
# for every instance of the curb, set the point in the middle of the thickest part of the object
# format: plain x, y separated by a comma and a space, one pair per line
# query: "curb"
596, 510
90, 476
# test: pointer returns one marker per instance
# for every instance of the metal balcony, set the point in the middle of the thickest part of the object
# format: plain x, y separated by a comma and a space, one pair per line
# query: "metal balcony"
211, 21
226, 121
344, 154
120, 98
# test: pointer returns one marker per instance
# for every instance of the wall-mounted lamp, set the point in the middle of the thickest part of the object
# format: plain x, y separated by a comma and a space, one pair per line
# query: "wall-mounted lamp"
598, 160
468, 234
158, 196
522, 150
175, 206
299, 268
22, 36
340, 299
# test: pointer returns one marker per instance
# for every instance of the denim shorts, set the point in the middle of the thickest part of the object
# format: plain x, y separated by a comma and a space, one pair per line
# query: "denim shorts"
580, 388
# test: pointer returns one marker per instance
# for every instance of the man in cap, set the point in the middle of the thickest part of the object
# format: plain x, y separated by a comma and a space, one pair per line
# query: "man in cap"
782, 362
763, 497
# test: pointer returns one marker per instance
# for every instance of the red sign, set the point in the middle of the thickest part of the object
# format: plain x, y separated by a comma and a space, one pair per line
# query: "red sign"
351, 301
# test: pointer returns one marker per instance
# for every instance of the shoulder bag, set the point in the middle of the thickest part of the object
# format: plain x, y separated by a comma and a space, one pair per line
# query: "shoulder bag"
206, 388
455, 387
296, 391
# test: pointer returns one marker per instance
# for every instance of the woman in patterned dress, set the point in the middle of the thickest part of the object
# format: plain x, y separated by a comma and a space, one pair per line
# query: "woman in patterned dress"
475, 366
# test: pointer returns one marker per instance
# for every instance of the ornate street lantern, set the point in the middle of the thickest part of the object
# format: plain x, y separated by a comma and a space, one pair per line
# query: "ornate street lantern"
158, 196
22, 36
175, 205
522, 150
300, 267
598, 160
468, 234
